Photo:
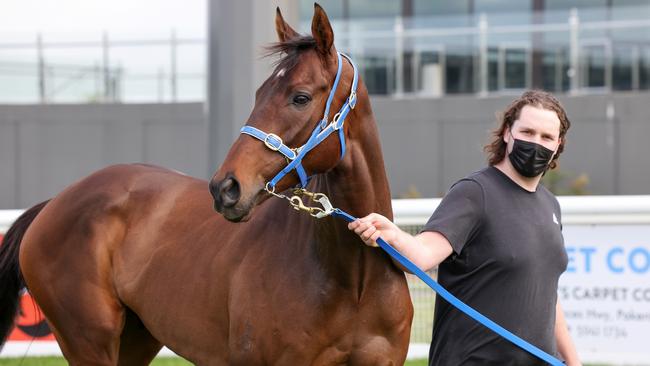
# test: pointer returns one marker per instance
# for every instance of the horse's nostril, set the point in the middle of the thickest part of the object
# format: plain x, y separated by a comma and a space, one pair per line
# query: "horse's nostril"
229, 192
214, 188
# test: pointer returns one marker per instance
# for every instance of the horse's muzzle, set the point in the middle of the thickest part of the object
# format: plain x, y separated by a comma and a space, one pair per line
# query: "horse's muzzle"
226, 194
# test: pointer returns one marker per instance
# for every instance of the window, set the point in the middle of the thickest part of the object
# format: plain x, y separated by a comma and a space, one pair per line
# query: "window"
623, 67
377, 74
374, 8
593, 66
459, 71
502, 6
644, 68
334, 9
428, 7
515, 68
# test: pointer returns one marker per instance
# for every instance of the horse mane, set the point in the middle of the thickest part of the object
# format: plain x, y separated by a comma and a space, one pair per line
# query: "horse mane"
290, 50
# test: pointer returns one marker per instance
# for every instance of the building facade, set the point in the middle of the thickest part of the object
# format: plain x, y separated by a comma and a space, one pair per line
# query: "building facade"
436, 48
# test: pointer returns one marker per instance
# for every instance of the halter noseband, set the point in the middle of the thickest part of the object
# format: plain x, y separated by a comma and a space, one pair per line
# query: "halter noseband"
320, 133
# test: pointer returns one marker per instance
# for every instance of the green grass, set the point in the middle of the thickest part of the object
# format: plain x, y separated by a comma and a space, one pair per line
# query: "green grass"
59, 361
160, 361
170, 361
422, 362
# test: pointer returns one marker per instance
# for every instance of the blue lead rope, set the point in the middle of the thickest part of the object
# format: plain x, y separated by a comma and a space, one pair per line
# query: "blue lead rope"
453, 300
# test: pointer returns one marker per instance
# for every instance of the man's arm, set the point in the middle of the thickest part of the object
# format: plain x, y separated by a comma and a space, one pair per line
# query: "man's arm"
426, 250
564, 343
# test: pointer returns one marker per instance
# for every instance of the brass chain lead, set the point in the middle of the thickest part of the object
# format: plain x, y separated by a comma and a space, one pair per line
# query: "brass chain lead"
298, 204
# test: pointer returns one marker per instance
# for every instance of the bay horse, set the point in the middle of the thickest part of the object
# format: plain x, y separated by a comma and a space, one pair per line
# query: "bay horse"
133, 257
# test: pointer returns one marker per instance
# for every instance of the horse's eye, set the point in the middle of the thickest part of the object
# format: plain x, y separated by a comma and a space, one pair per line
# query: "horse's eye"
301, 99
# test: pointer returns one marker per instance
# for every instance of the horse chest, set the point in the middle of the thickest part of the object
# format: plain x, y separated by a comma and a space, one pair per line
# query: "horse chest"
347, 349
320, 329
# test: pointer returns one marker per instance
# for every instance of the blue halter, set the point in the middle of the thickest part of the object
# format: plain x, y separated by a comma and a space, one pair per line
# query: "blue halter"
320, 133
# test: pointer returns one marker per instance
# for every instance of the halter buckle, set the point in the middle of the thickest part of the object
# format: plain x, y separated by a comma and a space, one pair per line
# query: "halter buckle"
335, 121
352, 100
268, 144
270, 190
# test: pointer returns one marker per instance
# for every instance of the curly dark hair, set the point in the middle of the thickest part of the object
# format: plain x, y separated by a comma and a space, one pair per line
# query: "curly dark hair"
496, 149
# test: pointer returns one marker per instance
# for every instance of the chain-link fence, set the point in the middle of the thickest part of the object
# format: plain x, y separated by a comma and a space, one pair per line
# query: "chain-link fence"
423, 299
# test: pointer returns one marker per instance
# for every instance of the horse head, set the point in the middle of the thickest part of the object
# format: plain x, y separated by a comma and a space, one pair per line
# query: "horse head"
291, 133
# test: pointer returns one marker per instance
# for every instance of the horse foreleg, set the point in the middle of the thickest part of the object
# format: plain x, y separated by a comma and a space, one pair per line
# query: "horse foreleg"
90, 333
137, 346
66, 262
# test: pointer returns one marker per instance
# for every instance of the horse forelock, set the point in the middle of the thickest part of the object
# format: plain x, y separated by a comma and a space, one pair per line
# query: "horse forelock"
290, 51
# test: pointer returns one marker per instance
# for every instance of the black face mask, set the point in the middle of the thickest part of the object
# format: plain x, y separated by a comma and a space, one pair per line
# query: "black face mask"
529, 159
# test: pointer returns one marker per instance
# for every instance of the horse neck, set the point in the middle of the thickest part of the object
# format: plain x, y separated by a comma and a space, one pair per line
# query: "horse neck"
359, 186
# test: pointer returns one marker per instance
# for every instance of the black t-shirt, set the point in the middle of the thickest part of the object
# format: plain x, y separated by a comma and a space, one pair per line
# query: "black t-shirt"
508, 253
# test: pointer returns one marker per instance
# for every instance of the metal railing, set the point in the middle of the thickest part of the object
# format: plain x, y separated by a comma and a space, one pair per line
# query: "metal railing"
103, 79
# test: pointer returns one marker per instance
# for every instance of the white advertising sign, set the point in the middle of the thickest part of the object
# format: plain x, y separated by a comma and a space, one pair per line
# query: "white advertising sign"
605, 292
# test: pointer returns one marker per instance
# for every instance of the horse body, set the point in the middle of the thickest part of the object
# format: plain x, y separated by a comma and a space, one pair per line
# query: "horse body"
134, 257
281, 288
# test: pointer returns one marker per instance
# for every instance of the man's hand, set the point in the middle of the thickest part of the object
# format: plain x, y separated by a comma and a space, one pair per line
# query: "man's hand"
371, 227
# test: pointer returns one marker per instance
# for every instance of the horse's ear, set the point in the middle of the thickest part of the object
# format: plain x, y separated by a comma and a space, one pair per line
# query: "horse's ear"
322, 31
284, 30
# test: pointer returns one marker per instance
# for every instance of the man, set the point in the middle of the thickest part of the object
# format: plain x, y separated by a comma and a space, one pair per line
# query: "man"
497, 239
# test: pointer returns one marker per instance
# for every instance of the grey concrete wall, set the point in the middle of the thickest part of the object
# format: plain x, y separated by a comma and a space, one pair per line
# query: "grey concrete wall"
429, 144
45, 148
